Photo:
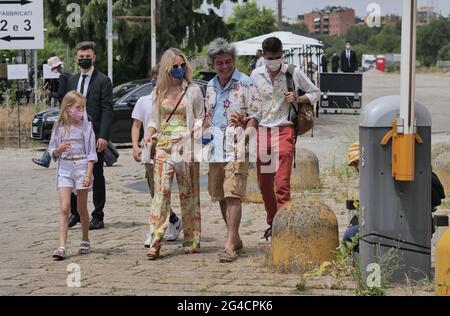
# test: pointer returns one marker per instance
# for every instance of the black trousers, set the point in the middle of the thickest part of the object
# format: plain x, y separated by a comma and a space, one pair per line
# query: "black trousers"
99, 190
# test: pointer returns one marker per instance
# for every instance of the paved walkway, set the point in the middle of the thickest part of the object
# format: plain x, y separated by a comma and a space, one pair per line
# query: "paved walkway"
118, 264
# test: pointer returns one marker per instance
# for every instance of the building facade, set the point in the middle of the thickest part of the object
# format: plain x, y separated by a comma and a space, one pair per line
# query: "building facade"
330, 21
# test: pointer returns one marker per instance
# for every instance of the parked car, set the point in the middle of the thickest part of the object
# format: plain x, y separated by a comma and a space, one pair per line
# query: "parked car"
125, 97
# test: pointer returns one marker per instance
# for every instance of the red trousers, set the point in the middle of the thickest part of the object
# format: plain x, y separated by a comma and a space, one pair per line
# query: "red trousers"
274, 165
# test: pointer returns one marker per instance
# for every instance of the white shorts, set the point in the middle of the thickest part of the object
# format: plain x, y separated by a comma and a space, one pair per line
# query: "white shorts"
71, 174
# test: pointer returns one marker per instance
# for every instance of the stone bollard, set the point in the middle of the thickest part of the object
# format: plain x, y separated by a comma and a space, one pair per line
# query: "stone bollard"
441, 166
304, 235
305, 176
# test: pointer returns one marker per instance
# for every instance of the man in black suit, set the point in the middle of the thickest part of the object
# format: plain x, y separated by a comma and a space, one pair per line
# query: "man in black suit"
56, 65
97, 88
335, 62
349, 61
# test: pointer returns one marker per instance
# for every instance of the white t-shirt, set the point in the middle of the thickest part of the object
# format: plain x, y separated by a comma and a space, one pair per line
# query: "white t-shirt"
143, 110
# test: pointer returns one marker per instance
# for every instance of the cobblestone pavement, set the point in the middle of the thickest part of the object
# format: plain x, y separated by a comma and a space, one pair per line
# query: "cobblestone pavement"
119, 266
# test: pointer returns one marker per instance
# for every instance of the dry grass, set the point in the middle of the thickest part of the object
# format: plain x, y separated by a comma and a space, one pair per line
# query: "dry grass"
9, 127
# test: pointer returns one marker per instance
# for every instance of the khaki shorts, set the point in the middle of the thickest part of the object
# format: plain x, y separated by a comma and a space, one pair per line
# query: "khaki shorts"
227, 180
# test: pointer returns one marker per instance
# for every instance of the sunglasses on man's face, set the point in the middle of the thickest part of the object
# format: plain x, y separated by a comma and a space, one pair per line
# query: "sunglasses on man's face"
176, 66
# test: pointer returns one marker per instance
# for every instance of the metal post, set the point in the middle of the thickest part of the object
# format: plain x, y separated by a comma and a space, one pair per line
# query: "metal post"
35, 77
109, 27
153, 32
18, 108
408, 69
280, 15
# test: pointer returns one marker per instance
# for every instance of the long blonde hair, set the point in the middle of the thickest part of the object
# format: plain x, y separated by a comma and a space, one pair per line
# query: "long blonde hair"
71, 98
164, 78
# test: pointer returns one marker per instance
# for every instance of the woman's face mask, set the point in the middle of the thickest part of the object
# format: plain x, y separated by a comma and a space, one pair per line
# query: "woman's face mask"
177, 73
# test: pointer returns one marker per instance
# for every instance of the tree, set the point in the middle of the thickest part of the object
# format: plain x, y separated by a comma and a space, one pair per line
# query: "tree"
360, 34
431, 39
248, 20
444, 53
179, 24
299, 28
388, 41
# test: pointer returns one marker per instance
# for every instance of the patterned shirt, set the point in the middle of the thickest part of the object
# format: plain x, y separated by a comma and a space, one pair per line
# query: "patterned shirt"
275, 109
238, 96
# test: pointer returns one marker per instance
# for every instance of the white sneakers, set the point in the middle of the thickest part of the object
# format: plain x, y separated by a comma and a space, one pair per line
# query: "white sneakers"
148, 241
174, 230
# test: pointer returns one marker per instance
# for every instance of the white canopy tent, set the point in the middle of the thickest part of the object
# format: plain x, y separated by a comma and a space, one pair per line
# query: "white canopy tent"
299, 50
290, 42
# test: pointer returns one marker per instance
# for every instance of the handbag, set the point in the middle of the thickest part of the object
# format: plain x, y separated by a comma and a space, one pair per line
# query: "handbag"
303, 117
155, 138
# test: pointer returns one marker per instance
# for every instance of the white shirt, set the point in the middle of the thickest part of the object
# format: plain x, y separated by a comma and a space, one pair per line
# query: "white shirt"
260, 62
86, 81
275, 109
143, 110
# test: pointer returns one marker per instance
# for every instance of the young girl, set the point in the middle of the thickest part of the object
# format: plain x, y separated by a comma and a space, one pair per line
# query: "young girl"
72, 145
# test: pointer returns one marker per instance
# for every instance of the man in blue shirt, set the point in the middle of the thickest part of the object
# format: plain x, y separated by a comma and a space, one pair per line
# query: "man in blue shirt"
233, 105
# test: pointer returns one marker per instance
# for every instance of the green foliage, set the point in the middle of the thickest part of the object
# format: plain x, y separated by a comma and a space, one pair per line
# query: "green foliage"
301, 284
7, 54
431, 39
365, 40
360, 34
444, 53
179, 24
387, 41
300, 28
243, 64
248, 20
389, 263
333, 44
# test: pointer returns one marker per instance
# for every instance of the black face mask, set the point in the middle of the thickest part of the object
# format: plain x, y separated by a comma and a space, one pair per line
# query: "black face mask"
85, 63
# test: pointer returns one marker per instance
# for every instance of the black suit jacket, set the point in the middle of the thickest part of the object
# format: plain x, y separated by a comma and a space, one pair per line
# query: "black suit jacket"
353, 62
63, 86
99, 103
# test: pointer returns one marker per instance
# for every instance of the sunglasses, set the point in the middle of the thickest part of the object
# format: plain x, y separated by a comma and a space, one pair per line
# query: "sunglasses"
183, 65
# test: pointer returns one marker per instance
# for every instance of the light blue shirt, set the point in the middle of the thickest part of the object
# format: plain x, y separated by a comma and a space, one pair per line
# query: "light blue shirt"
239, 94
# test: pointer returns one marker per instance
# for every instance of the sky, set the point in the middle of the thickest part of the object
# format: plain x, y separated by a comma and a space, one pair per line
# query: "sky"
292, 8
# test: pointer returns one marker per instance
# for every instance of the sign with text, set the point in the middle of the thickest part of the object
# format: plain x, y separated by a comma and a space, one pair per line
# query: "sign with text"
17, 72
21, 24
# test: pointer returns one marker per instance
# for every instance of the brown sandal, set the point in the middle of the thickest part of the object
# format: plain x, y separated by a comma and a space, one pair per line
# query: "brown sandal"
153, 253
228, 256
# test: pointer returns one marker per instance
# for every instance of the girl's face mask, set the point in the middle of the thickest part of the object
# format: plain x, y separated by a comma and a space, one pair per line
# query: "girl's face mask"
75, 114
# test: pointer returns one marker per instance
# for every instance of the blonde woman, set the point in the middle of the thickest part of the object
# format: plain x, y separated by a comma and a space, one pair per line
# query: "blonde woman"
72, 145
177, 104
